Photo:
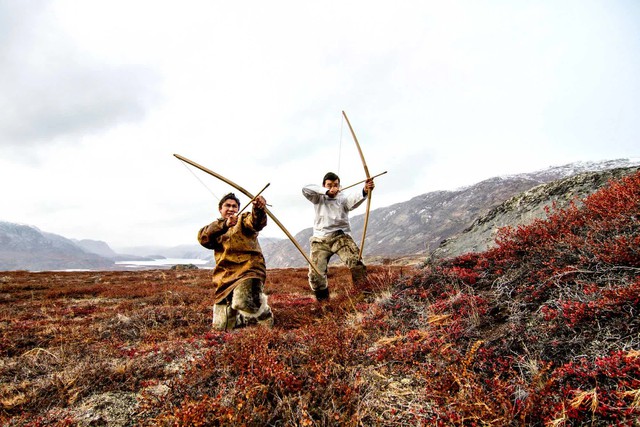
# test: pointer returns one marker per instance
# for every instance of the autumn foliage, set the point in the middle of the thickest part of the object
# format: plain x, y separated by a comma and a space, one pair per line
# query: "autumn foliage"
542, 330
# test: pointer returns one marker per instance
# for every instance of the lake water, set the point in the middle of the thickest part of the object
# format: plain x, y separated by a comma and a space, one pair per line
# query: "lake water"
165, 262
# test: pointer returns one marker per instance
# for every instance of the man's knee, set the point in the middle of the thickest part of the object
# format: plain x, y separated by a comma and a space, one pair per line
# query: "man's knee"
358, 272
316, 281
249, 307
247, 296
353, 262
252, 303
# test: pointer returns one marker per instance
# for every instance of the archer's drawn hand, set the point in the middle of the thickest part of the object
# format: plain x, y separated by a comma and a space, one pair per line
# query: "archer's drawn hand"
260, 203
333, 191
369, 185
231, 221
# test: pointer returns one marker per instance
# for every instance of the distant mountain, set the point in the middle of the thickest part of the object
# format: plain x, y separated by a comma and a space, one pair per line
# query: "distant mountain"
418, 226
24, 247
97, 247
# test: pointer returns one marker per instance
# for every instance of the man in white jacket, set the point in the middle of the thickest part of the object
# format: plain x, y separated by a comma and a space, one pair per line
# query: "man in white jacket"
332, 231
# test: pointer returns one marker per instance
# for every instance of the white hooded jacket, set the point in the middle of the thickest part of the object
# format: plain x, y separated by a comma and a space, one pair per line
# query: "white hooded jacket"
332, 214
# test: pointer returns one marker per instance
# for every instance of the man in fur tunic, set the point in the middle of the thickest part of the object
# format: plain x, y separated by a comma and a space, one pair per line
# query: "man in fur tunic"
240, 270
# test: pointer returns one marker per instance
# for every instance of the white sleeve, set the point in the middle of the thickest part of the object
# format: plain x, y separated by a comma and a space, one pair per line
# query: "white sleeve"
355, 199
314, 193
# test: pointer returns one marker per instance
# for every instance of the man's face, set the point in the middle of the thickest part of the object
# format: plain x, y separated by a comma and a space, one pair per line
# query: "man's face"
332, 184
228, 208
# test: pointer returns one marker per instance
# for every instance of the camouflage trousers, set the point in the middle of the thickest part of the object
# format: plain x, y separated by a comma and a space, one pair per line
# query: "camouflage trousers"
246, 304
323, 248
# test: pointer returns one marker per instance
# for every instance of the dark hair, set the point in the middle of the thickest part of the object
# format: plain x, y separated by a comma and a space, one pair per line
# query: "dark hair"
228, 197
330, 176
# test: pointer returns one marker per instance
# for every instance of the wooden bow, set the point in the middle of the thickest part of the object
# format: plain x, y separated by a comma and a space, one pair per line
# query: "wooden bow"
249, 195
366, 171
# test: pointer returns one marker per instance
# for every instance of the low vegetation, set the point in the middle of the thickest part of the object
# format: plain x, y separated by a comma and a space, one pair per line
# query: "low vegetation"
543, 330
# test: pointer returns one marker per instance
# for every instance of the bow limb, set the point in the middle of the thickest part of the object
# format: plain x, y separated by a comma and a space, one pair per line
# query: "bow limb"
366, 171
249, 195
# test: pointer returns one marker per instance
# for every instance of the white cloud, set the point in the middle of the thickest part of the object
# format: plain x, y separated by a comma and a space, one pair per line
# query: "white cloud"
97, 96
52, 90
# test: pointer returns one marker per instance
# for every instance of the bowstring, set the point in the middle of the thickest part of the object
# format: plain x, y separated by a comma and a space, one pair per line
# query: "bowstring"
340, 145
201, 182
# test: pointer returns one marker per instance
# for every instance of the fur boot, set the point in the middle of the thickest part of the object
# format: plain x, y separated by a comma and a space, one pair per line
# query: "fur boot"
322, 294
224, 317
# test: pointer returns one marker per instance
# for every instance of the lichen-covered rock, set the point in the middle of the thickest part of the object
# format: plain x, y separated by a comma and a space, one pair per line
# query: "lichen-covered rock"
524, 208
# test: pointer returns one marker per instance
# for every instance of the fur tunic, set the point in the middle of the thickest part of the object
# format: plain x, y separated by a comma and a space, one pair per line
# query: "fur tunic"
236, 250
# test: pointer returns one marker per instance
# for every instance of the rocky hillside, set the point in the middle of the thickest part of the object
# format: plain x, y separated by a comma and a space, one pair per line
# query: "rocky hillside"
420, 225
523, 208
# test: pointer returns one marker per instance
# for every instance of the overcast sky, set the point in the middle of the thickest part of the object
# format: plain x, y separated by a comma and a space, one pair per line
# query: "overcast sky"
97, 96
